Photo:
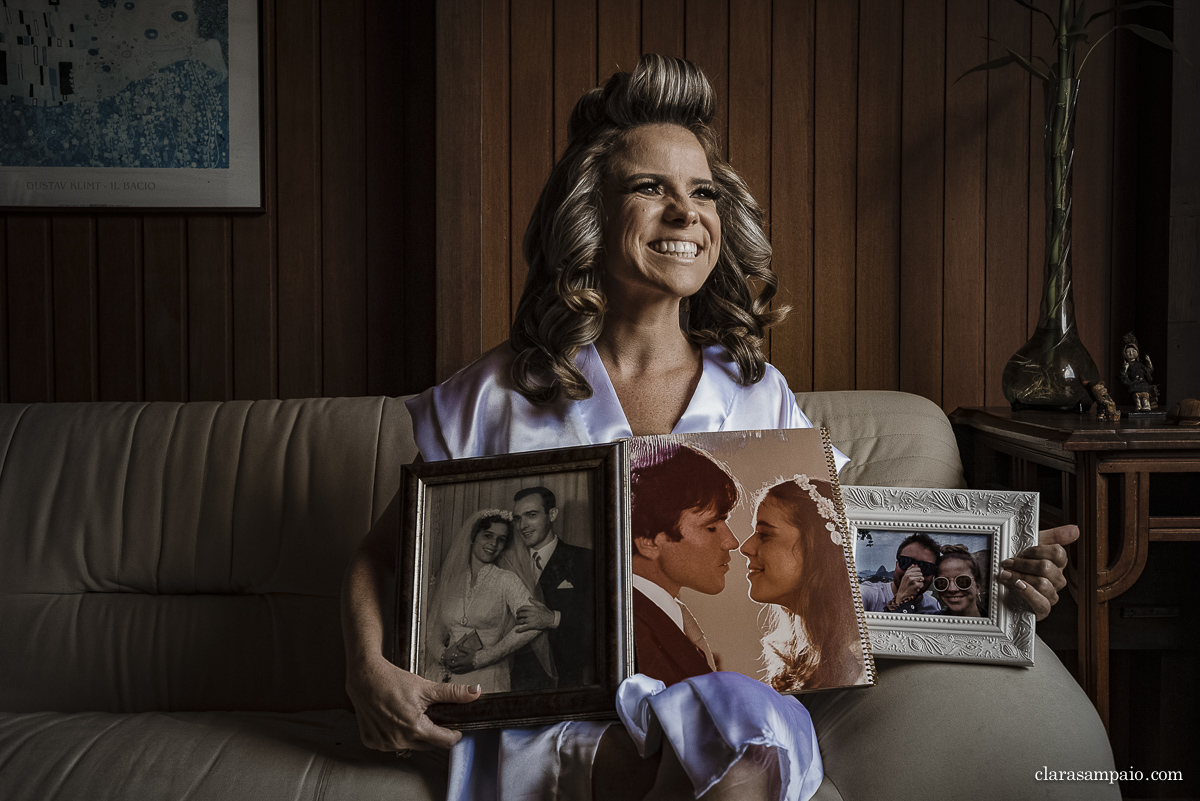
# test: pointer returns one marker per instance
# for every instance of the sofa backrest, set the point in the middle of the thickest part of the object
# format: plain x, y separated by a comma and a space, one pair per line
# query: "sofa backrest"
185, 556
166, 556
893, 439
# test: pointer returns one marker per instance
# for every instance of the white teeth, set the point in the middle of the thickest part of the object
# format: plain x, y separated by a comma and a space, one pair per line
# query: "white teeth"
682, 248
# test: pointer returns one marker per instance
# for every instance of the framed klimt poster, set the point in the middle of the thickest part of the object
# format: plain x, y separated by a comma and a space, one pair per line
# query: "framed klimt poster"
130, 103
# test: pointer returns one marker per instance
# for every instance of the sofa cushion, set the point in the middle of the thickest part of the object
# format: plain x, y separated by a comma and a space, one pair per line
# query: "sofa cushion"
166, 556
205, 755
974, 731
893, 439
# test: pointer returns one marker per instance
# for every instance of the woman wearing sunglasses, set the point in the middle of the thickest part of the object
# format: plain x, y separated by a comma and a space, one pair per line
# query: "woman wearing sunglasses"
958, 581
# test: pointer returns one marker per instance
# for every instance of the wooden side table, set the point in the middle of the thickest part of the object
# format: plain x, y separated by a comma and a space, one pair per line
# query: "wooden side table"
1100, 476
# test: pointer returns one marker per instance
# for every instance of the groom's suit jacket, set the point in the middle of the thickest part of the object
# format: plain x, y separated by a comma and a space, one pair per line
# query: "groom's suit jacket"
662, 650
567, 588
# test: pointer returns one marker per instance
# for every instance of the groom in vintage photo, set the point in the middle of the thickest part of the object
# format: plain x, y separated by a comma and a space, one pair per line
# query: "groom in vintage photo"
681, 500
564, 575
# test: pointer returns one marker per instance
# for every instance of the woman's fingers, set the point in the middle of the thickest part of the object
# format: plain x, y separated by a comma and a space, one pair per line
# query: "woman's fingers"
1045, 560
433, 735
1031, 569
1040, 568
1055, 554
390, 704
1060, 535
429, 732
453, 693
1038, 592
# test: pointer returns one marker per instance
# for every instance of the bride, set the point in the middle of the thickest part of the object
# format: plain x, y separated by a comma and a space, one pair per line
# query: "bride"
484, 579
798, 567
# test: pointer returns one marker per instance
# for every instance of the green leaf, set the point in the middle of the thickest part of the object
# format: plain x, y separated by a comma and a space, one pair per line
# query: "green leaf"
991, 65
1032, 7
1125, 7
1079, 12
1150, 35
1029, 67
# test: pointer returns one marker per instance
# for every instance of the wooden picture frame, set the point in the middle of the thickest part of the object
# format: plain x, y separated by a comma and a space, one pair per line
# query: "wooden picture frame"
443, 584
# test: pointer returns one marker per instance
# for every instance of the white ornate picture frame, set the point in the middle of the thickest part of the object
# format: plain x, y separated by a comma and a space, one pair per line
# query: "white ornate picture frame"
1008, 521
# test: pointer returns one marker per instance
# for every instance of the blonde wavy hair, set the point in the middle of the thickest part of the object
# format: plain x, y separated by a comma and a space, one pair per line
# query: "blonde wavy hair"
814, 644
563, 304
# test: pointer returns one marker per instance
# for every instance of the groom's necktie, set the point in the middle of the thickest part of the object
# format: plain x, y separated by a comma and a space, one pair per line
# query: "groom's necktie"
692, 630
537, 563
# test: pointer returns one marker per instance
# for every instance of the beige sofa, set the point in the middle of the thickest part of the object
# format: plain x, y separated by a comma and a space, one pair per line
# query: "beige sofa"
169, 578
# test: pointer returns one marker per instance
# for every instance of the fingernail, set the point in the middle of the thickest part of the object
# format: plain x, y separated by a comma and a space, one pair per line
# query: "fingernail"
1007, 563
476, 689
1004, 575
1021, 584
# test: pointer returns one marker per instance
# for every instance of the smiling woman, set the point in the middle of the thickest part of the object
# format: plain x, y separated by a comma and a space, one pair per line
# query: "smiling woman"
958, 582
607, 343
662, 231
478, 589
644, 312
490, 541
642, 146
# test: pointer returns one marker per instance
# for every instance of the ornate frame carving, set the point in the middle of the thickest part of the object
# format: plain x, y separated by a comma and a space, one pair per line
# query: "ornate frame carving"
1009, 518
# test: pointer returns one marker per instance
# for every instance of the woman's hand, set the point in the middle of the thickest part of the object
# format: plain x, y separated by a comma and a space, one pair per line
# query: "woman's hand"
390, 704
452, 656
1036, 573
461, 660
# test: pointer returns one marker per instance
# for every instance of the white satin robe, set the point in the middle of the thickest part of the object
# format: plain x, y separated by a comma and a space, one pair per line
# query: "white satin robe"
476, 412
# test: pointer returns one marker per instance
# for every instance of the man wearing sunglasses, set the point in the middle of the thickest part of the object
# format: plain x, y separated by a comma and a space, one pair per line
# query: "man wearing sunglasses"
908, 592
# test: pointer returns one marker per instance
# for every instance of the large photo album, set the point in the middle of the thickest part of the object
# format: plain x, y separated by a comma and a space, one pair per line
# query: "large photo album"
738, 543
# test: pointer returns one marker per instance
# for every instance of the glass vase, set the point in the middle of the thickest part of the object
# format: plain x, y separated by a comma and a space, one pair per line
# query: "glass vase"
1050, 370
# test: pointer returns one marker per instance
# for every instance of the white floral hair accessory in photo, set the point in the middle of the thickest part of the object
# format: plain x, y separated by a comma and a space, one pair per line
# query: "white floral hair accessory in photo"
484, 513
825, 507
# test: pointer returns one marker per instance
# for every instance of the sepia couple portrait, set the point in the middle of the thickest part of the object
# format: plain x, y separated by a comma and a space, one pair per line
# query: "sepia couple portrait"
511, 604
774, 557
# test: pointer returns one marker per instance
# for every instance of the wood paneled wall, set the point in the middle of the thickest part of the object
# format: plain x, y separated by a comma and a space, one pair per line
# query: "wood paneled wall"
329, 292
905, 208
905, 205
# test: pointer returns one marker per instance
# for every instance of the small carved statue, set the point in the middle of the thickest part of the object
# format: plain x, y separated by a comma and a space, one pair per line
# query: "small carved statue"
1106, 407
1137, 372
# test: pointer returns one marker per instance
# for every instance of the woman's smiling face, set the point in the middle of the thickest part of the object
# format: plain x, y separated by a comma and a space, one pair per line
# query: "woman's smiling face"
774, 560
662, 233
490, 542
957, 601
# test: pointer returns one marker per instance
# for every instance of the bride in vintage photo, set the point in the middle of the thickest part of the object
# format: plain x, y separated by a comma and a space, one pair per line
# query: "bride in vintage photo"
798, 568
472, 628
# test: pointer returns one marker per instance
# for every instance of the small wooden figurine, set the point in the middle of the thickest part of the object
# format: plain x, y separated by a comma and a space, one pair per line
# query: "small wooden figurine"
1136, 373
1106, 407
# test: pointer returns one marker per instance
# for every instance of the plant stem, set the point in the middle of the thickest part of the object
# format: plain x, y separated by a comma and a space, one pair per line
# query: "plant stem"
1058, 165
1064, 51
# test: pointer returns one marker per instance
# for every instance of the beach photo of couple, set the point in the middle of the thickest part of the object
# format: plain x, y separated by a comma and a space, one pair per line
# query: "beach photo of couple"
740, 561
